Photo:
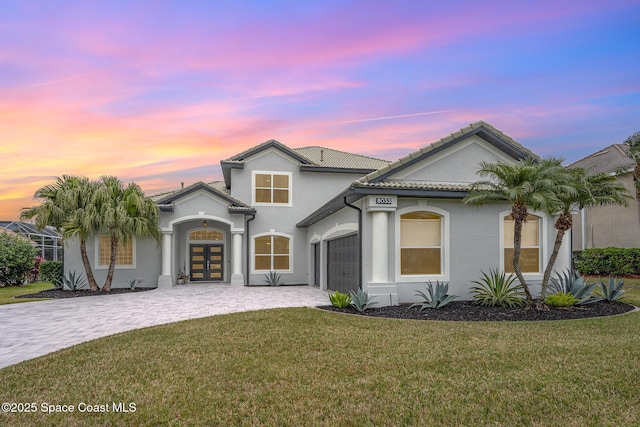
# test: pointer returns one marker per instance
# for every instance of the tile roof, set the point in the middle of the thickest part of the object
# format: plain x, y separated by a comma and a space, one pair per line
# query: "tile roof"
484, 129
218, 185
328, 157
607, 160
417, 185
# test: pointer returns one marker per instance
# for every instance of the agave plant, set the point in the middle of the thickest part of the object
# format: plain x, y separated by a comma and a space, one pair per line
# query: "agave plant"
361, 301
340, 300
498, 289
613, 291
73, 283
571, 282
435, 297
273, 279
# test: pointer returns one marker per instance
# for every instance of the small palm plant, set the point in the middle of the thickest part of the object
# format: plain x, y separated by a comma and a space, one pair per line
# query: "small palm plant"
435, 297
340, 300
73, 283
498, 289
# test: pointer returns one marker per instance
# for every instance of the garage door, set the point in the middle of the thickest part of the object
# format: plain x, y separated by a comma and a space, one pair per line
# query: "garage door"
343, 265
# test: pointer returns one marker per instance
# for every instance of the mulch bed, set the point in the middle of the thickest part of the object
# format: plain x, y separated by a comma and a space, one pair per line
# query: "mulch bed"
470, 312
59, 293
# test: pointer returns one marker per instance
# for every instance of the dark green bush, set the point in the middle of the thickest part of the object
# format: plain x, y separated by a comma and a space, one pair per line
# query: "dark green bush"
16, 259
608, 261
51, 271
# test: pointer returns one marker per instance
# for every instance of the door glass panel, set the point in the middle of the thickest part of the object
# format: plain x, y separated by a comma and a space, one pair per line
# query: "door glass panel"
197, 258
197, 266
197, 275
198, 249
216, 258
215, 275
216, 249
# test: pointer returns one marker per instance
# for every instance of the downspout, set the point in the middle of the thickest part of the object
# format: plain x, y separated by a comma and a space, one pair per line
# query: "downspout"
248, 248
359, 239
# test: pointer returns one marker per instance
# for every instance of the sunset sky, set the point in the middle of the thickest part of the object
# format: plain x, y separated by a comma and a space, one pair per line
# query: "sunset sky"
158, 92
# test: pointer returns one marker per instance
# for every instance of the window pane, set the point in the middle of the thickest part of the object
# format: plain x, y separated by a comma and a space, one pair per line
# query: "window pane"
529, 260
281, 262
280, 196
263, 262
263, 180
530, 231
280, 181
124, 251
420, 261
281, 245
263, 245
420, 232
263, 196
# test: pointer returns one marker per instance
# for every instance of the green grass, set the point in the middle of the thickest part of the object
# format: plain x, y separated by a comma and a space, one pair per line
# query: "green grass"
8, 293
308, 367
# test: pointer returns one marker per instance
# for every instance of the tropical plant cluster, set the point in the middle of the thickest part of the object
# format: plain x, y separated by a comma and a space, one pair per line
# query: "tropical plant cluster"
608, 261
84, 208
17, 259
498, 289
543, 185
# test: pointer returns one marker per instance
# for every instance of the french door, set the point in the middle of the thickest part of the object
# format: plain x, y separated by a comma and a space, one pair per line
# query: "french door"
206, 262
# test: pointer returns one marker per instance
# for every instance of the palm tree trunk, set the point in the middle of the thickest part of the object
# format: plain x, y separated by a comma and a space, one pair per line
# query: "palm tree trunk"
112, 264
87, 266
636, 182
519, 214
547, 271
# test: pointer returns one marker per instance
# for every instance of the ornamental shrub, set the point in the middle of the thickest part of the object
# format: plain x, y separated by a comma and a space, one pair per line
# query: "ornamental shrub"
16, 259
608, 261
51, 271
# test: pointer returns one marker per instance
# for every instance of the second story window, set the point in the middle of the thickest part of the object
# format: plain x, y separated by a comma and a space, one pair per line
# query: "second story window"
272, 188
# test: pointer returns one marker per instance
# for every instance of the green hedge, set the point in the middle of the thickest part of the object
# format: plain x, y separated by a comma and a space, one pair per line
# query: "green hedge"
608, 261
51, 271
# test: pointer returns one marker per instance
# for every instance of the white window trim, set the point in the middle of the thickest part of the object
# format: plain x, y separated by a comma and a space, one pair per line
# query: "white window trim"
118, 267
253, 252
444, 276
542, 239
253, 188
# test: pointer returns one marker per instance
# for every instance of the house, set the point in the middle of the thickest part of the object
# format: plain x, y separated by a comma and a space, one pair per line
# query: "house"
606, 226
47, 241
338, 221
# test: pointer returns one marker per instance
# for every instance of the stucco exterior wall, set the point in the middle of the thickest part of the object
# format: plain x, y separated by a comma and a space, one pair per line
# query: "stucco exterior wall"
147, 268
607, 226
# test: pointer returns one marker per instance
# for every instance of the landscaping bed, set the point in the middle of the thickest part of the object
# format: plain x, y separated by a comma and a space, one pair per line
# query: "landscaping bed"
59, 293
468, 311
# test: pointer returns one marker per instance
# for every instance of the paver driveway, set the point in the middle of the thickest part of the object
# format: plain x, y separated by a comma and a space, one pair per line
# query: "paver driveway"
33, 329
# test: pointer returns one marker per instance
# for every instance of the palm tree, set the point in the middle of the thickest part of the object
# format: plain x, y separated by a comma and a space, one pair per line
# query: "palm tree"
125, 212
527, 184
590, 190
67, 205
633, 152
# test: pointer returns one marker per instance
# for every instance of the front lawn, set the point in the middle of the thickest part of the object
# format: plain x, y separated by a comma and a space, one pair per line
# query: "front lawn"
8, 293
309, 367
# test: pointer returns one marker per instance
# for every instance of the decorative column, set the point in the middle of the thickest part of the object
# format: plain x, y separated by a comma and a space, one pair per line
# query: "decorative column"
166, 280
237, 277
380, 246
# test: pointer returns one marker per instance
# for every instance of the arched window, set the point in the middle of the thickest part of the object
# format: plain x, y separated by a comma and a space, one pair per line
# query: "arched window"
421, 243
530, 255
272, 253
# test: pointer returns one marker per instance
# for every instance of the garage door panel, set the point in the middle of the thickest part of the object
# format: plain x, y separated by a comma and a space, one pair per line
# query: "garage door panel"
343, 264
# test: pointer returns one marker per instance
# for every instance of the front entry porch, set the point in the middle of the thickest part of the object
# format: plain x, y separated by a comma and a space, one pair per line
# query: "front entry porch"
201, 249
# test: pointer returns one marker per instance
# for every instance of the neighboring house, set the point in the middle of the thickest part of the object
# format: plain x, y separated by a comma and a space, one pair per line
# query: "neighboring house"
601, 227
338, 220
47, 241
